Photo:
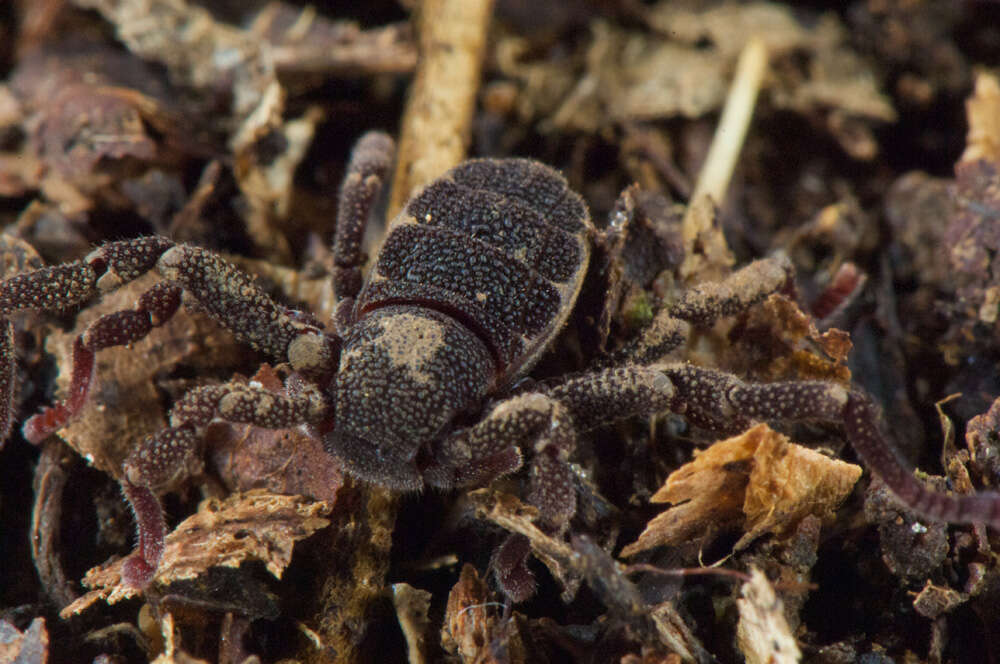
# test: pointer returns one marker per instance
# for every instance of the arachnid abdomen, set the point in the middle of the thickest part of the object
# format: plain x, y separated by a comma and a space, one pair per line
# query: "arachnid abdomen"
477, 275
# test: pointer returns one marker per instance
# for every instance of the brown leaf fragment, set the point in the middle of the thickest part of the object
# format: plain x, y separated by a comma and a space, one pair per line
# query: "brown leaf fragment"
759, 480
785, 343
255, 525
762, 633
708, 494
789, 482
286, 461
472, 623
28, 647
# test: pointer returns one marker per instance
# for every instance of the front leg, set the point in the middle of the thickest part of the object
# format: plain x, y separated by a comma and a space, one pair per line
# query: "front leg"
174, 452
227, 294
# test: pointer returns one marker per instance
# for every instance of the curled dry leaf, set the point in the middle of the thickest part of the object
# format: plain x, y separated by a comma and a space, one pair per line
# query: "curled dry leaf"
28, 647
783, 342
762, 633
256, 525
759, 480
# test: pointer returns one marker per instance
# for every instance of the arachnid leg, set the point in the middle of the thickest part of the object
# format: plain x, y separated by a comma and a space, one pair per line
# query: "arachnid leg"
61, 287
861, 420
546, 422
216, 287
720, 401
172, 453
366, 172
211, 285
154, 308
702, 305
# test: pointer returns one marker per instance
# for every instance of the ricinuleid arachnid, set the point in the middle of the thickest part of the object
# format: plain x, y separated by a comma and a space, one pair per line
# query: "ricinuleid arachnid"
476, 277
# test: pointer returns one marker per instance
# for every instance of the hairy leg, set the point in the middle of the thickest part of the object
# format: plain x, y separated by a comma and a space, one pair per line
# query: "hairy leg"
174, 452
546, 422
366, 172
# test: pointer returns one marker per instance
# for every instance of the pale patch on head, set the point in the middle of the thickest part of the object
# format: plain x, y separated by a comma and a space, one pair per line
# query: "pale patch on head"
411, 344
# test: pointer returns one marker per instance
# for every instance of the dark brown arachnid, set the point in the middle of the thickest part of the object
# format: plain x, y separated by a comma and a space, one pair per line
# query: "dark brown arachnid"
476, 277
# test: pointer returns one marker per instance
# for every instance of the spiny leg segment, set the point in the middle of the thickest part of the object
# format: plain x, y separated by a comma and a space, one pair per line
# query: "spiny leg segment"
225, 293
174, 452
211, 285
549, 420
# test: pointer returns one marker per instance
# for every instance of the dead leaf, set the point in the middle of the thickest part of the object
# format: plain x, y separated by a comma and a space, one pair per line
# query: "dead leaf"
256, 525
782, 342
758, 479
762, 633
472, 622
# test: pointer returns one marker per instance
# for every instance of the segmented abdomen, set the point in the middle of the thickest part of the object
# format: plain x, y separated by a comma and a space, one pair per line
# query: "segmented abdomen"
499, 245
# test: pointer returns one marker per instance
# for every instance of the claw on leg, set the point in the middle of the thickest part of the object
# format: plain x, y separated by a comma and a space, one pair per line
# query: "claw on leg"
51, 419
861, 422
510, 565
119, 328
140, 568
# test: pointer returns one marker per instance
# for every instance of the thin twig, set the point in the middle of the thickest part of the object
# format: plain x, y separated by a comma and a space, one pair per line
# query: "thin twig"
699, 228
435, 128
